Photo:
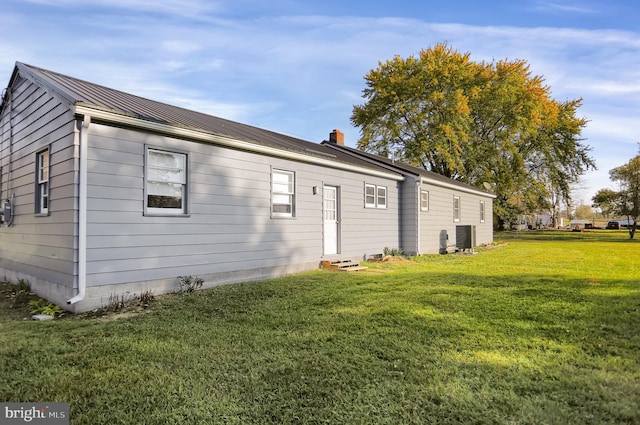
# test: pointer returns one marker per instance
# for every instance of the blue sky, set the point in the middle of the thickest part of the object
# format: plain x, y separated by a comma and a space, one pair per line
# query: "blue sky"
297, 66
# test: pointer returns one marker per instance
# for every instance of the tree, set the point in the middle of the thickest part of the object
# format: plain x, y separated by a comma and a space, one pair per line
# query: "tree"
605, 199
475, 122
583, 212
626, 201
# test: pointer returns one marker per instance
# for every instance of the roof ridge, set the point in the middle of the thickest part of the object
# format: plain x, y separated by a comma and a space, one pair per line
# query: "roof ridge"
84, 93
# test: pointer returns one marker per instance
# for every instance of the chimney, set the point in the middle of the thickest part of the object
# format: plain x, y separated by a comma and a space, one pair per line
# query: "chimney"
337, 137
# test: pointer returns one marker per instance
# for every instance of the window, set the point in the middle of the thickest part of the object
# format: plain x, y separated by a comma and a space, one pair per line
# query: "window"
42, 187
375, 196
481, 211
282, 193
381, 197
166, 182
456, 208
369, 196
424, 200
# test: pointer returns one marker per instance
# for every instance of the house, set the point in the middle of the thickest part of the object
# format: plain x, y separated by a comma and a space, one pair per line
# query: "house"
433, 207
105, 193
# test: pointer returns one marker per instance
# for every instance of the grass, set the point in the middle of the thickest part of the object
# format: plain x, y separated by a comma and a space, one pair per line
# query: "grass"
543, 328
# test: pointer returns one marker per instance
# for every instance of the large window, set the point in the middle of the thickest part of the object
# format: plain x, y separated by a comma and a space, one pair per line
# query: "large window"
42, 185
481, 211
456, 208
375, 196
282, 193
424, 200
166, 182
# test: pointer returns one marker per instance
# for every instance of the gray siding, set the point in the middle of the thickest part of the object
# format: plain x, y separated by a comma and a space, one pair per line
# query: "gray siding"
410, 213
39, 249
229, 227
439, 218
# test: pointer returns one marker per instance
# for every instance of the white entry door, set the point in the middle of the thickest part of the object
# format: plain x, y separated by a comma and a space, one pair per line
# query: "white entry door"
330, 214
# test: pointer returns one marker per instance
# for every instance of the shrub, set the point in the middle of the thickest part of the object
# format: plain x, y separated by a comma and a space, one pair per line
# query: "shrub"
394, 252
189, 284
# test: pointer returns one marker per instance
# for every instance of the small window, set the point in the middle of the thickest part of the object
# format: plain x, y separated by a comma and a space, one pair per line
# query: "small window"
375, 196
166, 182
42, 187
381, 199
424, 200
481, 211
282, 193
369, 196
456, 208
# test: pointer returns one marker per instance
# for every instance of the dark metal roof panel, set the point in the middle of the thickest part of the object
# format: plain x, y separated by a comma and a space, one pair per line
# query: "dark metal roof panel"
94, 95
402, 167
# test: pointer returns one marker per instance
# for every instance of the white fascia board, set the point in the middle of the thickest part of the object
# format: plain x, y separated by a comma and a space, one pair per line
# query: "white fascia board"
180, 132
471, 190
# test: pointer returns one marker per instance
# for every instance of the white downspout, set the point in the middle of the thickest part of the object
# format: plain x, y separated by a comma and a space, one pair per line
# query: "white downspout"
82, 212
418, 197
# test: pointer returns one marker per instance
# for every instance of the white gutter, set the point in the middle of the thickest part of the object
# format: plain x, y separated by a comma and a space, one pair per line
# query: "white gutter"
82, 212
455, 187
180, 132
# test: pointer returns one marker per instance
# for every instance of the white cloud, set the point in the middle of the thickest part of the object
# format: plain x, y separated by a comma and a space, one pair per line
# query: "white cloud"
614, 126
192, 8
302, 75
548, 6
180, 47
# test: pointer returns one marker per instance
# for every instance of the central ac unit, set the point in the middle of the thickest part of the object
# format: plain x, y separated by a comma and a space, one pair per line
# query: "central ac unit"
466, 237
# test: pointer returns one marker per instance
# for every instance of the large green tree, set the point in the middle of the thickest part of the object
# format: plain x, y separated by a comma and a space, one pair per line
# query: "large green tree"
478, 123
626, 201
606, 200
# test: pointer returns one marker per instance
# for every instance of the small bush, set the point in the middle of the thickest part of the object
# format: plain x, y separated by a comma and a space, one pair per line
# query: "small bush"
394, 252
42, 306
189, 284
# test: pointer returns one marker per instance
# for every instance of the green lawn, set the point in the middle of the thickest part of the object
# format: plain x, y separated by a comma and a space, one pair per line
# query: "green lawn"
543, 328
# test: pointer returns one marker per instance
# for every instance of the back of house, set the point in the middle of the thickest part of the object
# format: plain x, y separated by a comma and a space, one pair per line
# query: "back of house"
106, 193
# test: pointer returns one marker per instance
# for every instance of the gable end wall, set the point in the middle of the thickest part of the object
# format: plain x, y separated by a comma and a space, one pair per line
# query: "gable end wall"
39, 249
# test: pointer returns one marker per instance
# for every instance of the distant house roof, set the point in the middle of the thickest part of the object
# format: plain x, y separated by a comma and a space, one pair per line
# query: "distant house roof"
83, 95
408, 169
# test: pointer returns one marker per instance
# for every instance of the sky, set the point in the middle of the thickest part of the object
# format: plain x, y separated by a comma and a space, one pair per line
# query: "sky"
297, 66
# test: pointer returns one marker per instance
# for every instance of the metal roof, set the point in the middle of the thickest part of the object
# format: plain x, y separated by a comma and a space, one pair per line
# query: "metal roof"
83, 93
406, 169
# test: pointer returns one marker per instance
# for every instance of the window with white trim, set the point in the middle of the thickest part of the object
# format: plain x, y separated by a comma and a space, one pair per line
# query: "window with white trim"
282, 193
424, 200
456, 208
375, 196
370, 196
42, 185
381, 197
481, 211
165, 182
